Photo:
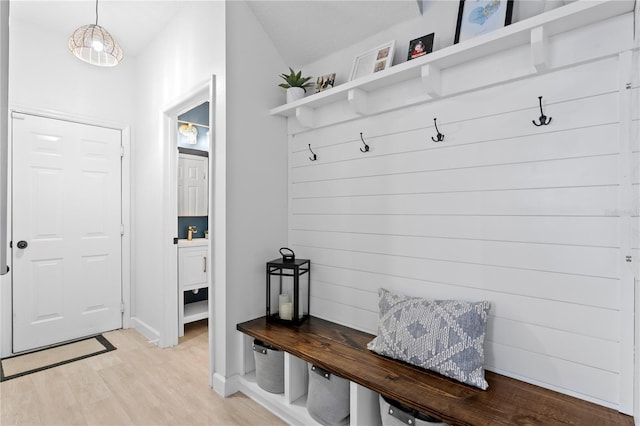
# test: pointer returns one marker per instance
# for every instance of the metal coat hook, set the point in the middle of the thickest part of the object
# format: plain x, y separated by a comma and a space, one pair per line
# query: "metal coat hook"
544, 120
366, 147
439, 137
315, 157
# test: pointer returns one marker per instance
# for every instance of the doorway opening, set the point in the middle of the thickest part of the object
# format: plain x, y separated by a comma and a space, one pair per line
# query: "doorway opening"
188, 262
193, 215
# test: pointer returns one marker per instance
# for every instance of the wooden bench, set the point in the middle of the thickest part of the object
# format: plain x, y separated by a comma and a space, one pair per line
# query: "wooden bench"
343, 351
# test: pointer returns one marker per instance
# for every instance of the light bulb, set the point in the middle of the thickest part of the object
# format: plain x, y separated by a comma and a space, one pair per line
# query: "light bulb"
97, 45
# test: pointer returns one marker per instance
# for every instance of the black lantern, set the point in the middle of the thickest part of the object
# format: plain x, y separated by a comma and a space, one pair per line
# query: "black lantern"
288, 298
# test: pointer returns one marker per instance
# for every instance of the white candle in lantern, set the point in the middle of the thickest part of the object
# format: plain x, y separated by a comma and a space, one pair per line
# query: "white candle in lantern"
283, 298
286, 311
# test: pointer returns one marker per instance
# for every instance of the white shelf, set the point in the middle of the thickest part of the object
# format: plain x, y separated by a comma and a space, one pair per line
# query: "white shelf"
196, 311
294, 413
533, 31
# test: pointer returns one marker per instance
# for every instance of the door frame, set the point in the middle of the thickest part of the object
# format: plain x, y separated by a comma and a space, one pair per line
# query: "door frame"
196, 96
6, 297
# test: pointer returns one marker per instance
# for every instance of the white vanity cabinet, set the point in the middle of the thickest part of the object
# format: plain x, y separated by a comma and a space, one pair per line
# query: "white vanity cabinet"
193, 275
193, 185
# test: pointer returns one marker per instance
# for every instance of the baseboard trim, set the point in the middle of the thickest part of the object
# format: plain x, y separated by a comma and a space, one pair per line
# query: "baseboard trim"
147, 331
225, 386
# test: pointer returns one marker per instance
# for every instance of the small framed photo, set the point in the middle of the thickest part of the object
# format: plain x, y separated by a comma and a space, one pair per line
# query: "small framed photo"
325, 82
373, 60
420, 46
482, 16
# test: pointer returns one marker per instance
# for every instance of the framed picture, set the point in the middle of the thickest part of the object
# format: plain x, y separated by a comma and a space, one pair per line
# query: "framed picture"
482, 16
420, 46
373, 60
325, 82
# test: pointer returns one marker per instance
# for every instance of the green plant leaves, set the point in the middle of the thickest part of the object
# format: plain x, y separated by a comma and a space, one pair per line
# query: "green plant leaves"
294, 79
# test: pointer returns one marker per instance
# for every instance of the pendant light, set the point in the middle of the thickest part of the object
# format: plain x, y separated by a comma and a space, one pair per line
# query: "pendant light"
93, 44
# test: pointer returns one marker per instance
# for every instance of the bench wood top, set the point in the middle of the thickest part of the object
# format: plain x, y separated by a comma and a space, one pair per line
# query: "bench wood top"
343, 351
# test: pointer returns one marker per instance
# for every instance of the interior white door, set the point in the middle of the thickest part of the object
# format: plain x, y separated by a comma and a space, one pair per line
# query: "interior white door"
66, 231
193, 185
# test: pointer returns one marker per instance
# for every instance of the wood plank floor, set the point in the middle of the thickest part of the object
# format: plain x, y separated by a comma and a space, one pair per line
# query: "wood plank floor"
137, 384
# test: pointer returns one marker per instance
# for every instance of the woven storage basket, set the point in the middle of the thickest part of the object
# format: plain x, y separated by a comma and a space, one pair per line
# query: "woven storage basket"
395, 414
328, 397
269, 367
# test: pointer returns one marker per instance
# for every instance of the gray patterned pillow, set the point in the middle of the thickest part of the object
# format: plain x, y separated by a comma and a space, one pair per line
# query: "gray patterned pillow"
445, 336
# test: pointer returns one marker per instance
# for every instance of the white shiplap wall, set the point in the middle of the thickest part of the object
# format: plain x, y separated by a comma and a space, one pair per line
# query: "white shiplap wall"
526, 217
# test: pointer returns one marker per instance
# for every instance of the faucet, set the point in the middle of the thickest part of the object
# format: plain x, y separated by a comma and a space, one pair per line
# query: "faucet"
190, 231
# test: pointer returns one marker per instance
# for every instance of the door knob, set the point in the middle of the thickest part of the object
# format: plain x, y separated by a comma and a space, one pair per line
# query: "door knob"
22, 244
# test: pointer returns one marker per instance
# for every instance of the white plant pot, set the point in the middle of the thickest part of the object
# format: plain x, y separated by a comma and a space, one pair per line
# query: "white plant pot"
294, 93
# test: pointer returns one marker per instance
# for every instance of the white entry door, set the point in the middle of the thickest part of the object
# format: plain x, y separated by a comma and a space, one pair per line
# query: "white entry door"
66, 231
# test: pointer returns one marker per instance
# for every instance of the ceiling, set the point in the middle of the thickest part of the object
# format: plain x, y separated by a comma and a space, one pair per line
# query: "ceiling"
324, 26
132, 23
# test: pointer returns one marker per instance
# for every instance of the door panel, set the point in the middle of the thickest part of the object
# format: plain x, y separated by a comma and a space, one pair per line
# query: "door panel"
67, 208
193, 185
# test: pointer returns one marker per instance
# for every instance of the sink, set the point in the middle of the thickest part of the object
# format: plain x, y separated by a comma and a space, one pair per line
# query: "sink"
193, 243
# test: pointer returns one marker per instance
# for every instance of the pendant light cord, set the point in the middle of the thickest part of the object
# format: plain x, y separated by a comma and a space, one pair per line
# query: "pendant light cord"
96, 12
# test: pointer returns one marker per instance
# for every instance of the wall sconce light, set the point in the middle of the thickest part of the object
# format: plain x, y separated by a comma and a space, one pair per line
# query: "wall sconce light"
190, 132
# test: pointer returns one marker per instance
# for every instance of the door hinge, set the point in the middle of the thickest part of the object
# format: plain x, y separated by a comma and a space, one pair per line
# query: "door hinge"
121, 151
122, 307
121, 229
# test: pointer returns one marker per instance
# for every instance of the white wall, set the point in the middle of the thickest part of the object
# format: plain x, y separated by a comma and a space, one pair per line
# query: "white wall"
526, 217
4, 161
250, 165
184, 55
44, 76
4, 134
636, 219
256, 171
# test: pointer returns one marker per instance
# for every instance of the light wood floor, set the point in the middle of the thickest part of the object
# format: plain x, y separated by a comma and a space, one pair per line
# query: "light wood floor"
137, 384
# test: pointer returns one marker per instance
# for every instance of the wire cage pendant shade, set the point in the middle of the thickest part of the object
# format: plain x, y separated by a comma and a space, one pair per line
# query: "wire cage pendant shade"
93, 44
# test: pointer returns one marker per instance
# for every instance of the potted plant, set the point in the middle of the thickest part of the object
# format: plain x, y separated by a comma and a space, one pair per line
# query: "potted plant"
295, 84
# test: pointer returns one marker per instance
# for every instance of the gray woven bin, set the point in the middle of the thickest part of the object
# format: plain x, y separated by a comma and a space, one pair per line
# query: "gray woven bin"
394, 414
328, 397
269, 367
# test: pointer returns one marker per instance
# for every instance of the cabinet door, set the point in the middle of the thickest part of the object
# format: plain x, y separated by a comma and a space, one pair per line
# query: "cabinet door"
192, 267
193, 185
